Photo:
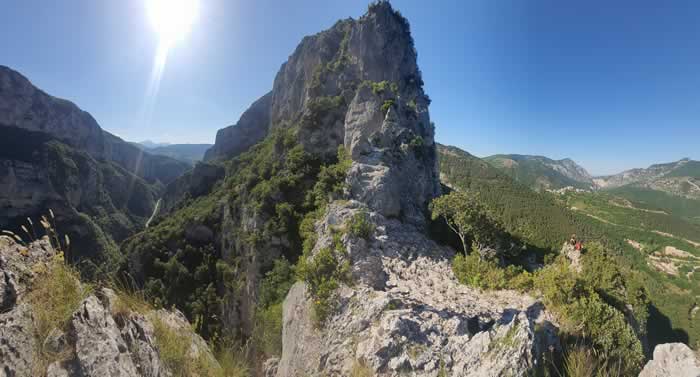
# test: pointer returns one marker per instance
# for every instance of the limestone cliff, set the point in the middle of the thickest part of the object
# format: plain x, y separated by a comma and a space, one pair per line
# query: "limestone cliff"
403, 310
102, 335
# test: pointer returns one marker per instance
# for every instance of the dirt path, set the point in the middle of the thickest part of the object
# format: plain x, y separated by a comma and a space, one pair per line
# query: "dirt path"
693, 183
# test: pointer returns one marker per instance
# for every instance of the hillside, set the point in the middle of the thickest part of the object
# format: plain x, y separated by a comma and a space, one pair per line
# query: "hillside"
680, 179
640, 234
55, 156
535, 217
542, 173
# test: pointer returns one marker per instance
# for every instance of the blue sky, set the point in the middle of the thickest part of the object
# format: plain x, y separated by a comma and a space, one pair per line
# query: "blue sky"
612, 85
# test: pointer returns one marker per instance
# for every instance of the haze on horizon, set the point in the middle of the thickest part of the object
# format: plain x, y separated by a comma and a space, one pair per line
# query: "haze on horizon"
611, 86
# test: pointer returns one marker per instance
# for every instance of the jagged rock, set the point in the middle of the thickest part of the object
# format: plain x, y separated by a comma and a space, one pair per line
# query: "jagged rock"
97, 341
270, 367
250, 129
422, 321
672, 360
573, 255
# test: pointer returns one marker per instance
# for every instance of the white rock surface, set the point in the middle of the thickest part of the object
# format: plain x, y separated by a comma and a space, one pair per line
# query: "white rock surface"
672, 360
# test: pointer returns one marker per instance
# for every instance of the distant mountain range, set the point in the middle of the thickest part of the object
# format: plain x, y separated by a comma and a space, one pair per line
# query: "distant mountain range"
680, 178
542, 173
189, 153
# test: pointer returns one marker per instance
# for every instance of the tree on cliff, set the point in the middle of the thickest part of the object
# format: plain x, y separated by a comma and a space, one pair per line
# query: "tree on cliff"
466, 216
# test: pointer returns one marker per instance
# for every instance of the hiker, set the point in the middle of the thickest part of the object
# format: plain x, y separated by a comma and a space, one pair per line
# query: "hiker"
572, 241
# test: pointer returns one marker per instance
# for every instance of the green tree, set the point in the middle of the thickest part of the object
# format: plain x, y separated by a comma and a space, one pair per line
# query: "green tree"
466, 216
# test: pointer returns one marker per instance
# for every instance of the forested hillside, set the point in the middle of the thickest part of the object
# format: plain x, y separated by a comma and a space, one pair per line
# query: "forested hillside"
644, 236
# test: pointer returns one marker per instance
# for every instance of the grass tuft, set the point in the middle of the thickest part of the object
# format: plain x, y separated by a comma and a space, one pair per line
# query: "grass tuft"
55, 295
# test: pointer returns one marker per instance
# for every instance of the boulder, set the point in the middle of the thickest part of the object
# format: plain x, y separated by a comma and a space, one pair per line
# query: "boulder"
672, 360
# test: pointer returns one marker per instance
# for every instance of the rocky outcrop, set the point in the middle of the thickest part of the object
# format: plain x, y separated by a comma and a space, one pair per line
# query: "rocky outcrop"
250, 129
99, 339
358, 85
573, 255
195, 183
406, 313
672, 360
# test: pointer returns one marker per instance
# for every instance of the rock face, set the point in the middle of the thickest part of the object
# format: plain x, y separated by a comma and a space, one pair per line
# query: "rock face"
672, 360
250, 129
96, 342
406, 313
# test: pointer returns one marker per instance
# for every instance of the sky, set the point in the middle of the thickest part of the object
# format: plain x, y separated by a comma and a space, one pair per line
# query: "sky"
612, 85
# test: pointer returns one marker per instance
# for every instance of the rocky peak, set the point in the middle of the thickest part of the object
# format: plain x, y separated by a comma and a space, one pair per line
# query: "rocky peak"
356, 84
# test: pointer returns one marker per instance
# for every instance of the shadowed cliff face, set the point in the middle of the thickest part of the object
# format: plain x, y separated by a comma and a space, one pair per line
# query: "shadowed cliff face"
27, 107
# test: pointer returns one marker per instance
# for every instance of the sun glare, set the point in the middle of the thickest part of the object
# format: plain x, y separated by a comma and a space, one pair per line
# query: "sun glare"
172, 19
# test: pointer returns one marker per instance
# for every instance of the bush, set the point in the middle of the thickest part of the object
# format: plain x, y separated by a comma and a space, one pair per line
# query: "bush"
387, 104
361, 226
174, 349
268, 314
323, 273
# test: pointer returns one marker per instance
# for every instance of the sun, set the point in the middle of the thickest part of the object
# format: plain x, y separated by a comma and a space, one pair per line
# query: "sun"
172, 19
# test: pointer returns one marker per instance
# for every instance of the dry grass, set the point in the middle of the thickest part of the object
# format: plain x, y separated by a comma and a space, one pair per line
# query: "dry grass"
55, 295
174, 350
361, 369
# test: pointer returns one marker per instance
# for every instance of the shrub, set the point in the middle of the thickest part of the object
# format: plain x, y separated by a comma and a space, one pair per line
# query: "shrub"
174, 347
360, 225
268, 315
323, 273
473, 271
387, 104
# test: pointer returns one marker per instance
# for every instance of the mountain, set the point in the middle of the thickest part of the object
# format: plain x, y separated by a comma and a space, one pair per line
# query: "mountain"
189, 153
328, 178
643, 236
680, 178
55, 156
542, 173
148, 144
537, 218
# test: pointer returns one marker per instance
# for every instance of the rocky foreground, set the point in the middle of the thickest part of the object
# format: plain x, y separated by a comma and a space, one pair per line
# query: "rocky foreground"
406, 312
103, 337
